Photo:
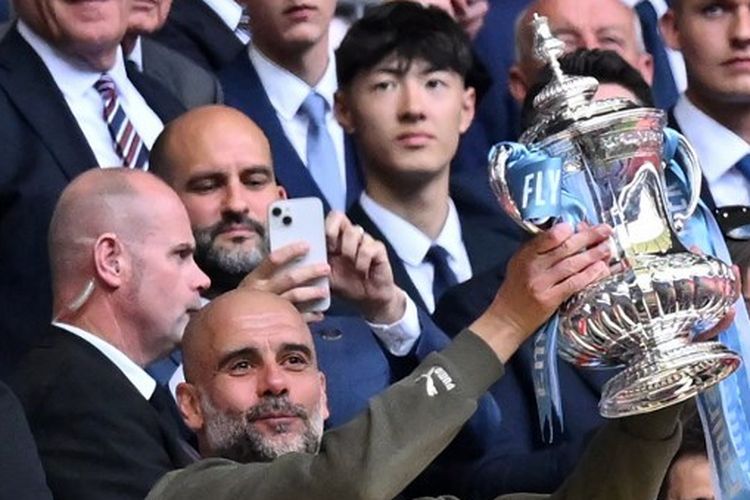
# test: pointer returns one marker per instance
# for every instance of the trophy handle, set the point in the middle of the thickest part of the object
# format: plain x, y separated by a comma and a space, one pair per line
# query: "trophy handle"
498, 181
694, 178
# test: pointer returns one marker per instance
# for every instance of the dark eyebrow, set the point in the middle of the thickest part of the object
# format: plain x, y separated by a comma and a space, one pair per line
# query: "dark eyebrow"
245, 352
302, 348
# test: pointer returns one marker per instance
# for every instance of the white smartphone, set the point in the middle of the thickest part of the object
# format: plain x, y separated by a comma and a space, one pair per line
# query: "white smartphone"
301, 219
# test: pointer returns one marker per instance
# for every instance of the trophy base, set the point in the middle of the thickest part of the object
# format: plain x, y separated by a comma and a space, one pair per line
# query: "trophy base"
667, 377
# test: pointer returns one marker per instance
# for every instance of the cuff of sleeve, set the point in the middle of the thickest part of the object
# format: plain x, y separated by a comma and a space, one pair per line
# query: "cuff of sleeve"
400, 337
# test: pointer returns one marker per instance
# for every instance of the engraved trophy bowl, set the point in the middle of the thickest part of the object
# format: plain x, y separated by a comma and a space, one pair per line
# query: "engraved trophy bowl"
643, 315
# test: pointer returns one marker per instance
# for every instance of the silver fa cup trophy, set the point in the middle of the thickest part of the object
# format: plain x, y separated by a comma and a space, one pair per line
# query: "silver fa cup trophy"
611, 169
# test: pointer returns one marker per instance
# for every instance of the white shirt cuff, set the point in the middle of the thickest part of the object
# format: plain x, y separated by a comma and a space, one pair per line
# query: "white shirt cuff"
399, 337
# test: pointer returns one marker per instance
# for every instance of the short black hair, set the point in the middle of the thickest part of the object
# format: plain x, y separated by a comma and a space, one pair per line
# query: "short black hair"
604, 65
408, 31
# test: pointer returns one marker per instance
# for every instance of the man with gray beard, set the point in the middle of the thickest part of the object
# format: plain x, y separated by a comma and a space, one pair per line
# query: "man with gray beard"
219, 162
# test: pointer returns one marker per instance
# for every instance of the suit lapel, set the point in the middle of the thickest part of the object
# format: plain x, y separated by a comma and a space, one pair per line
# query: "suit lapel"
158, 98
400, 276
31, 88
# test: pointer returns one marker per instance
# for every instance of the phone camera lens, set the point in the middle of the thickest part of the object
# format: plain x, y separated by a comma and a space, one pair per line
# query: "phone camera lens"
286, 220
275, 211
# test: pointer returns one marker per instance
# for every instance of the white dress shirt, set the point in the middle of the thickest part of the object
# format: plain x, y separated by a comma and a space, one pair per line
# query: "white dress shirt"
287, 93
412, 245
230, 13
718, 149
137, 375
136, 55
77, 86
676, 62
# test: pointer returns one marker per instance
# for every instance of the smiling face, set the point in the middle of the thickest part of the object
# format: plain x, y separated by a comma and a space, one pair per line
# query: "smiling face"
86, 30
407, 119
714, 38
254, 391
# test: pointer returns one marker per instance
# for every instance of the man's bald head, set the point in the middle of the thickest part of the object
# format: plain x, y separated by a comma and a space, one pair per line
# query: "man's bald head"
199, 136
588, 24
121, 251
212, 329
96, 202
253, 390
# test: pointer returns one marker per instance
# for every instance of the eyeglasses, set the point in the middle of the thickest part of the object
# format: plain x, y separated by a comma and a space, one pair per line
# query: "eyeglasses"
734, 221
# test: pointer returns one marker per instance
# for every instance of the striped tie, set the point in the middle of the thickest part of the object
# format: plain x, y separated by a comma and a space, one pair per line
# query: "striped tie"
128, 143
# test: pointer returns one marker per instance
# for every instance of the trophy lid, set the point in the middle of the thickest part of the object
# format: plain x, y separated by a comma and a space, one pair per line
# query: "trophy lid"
566, 99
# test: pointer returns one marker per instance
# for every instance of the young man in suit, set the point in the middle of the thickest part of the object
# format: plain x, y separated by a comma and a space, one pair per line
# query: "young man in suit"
124, 286
285, 83
257, 400
403, 96
60, 66
714, 111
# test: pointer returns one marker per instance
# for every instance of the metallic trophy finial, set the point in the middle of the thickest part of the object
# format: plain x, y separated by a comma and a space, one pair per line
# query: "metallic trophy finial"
563, 91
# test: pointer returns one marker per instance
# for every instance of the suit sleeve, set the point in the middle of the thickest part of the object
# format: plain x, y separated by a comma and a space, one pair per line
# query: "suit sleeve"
21, 471
374, 456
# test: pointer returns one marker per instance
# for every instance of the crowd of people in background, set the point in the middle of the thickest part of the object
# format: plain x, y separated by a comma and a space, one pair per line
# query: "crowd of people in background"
152, 345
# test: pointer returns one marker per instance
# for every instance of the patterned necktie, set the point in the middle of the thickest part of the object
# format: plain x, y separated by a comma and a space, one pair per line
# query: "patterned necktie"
128, 144
321, 154
664, 89
444, 277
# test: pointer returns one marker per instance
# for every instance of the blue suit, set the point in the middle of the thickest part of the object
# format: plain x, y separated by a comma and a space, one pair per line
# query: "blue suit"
243, 90
522, 460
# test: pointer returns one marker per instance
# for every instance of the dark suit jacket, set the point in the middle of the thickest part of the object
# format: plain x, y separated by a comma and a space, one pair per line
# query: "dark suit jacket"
522, 460
243, 90
42, 149
197, 32
21, 471
98, 437
190, 83
485, 248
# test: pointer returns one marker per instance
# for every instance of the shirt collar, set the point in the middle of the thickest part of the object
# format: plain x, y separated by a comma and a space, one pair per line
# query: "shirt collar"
411, 244
137, 375
72, 78
136, 55
285, 90
718, 147
229, 11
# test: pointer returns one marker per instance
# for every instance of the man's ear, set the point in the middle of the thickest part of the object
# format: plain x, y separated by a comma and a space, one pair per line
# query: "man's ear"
282, 192
468, 108
517, 84
188, 402
110, 261
646, 67
343, 111
669, 30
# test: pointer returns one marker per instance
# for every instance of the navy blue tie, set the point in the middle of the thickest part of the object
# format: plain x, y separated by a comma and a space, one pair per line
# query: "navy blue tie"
663, 87
444, 276
321, 153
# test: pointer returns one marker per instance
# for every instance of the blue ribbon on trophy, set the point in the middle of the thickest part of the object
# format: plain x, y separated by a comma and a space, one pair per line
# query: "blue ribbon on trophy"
724, 408
535, 181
